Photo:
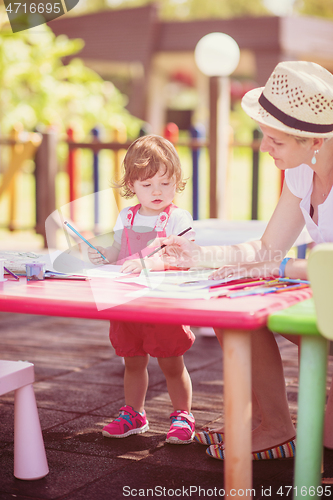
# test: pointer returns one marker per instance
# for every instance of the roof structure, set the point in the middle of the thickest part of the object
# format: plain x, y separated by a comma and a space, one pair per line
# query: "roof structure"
112, 35
134, 37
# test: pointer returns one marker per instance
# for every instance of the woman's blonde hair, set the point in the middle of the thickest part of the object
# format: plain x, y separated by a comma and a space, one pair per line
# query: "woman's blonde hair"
144, 158
304, 140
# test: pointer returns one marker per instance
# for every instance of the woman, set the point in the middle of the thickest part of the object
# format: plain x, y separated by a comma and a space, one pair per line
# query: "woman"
295, 113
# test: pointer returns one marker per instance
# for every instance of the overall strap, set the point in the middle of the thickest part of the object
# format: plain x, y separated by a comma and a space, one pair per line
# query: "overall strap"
163, 218
131, 213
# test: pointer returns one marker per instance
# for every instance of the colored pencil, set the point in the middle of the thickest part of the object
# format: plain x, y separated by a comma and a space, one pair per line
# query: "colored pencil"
163, 246
86, 241
263, 291
290, 280
8, 271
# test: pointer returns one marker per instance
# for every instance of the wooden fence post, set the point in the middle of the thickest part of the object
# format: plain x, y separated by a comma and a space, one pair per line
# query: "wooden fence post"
255, 176
119, 135
213, 98
12, 189
45, 173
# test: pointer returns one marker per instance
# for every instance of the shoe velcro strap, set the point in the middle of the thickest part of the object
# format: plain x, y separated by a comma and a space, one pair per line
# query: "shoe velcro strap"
129, 410
183, 415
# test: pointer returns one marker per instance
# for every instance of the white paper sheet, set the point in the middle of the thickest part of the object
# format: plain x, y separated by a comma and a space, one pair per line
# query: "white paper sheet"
168, 277
190, 289
109, 271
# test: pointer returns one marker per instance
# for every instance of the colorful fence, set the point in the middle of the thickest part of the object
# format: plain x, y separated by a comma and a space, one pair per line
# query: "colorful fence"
44, 148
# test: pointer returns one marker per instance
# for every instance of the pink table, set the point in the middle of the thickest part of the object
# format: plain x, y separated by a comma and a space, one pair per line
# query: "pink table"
237, 317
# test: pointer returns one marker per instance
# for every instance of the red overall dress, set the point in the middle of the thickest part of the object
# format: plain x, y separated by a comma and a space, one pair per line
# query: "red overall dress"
138, 339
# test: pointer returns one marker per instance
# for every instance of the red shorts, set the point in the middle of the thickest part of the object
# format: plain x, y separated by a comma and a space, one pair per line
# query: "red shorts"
160, 341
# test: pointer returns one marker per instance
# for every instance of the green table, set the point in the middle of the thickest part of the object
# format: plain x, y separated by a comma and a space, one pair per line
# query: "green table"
300, 319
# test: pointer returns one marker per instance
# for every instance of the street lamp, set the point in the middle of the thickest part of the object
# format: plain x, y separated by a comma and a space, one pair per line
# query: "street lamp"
217, 56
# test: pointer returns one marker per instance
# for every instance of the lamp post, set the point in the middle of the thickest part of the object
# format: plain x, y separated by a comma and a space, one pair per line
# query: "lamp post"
217, 56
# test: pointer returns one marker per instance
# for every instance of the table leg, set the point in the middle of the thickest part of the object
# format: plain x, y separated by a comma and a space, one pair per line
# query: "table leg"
238, 413
310, 416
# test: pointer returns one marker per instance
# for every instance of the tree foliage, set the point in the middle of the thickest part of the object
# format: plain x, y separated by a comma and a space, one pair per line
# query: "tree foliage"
184, 9
198, 9
318, 8
38, 89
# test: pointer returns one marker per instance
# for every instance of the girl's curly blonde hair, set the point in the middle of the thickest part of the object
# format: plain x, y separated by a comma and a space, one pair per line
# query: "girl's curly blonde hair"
144, 158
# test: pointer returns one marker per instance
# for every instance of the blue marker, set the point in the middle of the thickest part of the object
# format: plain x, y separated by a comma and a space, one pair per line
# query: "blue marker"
82, 238
289, 280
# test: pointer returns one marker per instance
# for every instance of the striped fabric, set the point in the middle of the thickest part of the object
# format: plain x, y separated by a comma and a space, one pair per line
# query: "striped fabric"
285, 450
208, 437
216, 451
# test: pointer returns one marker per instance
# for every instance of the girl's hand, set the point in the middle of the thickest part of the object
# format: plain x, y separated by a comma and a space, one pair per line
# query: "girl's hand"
242, 270
181, 252
95, 257
131, 266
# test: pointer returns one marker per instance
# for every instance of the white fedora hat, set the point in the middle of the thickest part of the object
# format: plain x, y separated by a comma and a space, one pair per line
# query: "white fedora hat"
297, 99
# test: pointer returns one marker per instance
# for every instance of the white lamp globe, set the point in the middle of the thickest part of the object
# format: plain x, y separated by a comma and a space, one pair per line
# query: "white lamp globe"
217, 54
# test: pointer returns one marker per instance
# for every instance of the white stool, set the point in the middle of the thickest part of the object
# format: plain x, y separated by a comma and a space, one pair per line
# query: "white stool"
29, 452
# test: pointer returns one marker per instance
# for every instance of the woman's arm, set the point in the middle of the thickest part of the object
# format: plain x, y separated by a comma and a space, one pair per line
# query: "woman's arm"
184, 253
283, 228
282, 231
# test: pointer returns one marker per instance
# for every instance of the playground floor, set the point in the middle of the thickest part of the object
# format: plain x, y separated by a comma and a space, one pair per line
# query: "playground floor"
79, 388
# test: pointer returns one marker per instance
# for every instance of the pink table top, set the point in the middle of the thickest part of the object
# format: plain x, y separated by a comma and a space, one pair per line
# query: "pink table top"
76, 299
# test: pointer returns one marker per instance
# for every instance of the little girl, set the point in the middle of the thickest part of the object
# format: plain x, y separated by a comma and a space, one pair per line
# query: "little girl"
152, 173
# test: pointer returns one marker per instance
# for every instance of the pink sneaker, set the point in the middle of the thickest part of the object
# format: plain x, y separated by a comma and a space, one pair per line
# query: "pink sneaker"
182, 428
129, 422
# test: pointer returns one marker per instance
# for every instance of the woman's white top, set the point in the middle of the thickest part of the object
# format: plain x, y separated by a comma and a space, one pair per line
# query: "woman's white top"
178, 221
300, 182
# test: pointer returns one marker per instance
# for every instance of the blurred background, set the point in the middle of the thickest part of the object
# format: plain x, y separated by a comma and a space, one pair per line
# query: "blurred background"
75, 92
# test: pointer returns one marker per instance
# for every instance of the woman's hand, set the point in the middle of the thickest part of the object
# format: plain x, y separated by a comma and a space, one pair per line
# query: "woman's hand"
131, 266
95, 257
156, 243
181, 252
242, 270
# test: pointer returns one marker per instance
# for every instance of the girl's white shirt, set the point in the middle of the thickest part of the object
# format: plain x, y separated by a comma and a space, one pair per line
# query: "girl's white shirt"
178, 221
300, 182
